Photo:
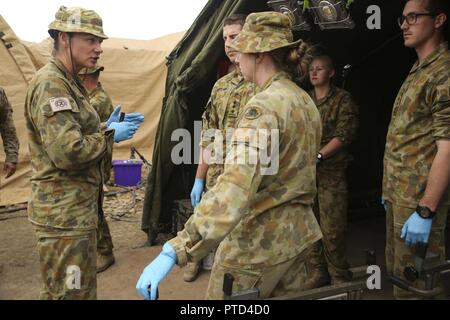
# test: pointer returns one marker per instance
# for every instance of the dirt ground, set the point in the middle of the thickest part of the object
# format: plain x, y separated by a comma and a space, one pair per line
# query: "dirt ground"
19, 262
19, 265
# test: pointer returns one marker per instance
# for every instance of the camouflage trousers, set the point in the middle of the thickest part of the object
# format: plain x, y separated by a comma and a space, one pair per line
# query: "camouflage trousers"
104, 241
330, 209
275, 281
67, 263
398, 255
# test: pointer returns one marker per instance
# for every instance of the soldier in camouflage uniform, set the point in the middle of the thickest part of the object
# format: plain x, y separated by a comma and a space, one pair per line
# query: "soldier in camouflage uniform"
228, 96
69, 148
262, 218
99, 98
416, 161
102, 103
339, 116
9, 135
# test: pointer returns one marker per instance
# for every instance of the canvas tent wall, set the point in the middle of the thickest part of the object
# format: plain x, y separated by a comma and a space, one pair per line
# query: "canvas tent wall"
380, 64
134, 76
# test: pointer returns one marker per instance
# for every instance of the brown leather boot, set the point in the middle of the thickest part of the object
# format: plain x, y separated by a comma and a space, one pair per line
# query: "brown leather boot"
191, 271
104, 261
317, 278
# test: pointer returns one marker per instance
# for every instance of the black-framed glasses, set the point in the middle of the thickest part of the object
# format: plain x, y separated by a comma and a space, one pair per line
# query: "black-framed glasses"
411, 18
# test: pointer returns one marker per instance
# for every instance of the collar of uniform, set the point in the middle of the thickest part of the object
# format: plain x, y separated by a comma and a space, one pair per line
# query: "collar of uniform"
330, 93
277, 76
96, 89
69, 76
431, 58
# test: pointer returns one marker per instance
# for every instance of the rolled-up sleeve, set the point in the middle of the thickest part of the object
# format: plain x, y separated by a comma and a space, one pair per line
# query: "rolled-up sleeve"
347, 122
441, 109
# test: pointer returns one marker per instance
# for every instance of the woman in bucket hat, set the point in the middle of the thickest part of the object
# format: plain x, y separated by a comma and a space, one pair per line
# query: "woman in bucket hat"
260, 210
69, 148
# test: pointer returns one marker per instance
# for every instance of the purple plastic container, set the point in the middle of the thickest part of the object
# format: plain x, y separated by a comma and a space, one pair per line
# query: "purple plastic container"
127, 173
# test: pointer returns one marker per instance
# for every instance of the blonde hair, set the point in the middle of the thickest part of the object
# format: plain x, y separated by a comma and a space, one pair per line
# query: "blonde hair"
295, 61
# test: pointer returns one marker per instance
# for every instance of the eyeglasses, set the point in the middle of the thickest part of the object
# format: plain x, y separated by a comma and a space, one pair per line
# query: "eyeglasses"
411, 18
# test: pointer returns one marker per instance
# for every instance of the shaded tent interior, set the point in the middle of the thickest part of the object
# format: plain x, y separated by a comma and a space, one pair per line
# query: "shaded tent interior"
379, 63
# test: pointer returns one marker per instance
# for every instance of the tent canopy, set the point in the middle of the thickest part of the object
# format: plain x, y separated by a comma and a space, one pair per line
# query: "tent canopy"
379, 65
134, 76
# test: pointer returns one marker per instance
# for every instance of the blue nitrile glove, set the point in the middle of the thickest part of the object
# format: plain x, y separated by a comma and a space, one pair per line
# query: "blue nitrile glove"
123, 130
416, 229
115, 116
383, 203
136, 118
197, 190
156, 271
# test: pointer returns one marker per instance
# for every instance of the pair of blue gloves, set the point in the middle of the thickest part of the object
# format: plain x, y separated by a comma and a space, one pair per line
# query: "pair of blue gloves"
124, 130
155, 272
416, 229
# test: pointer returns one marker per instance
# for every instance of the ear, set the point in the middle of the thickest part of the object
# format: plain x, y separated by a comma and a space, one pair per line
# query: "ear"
63, 39
440, 20
332, 73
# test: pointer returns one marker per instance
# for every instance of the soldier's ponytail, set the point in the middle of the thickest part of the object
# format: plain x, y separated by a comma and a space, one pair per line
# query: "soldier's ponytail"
295, 61
298, 61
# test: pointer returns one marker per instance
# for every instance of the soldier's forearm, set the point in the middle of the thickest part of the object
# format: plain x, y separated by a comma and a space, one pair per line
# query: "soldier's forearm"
331, 148
203, 166
439, 177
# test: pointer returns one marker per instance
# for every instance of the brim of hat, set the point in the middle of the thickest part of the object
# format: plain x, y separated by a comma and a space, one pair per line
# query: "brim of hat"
240, 44
63, 29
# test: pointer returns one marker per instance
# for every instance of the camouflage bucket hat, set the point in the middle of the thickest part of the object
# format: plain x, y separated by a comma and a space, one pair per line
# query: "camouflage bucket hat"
264, 32
78, 20
93, 70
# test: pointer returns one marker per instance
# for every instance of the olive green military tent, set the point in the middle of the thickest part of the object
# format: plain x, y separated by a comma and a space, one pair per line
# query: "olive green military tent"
134, 76
377, 65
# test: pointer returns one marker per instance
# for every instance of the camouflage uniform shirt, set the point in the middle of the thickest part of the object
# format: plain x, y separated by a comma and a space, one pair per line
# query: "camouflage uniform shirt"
339, 114
229, 95
101, 102
67, 146
7, 129
420, 117
261, 220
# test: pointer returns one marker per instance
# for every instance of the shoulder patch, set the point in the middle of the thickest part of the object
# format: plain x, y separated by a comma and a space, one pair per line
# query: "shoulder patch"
253, 113
60, 104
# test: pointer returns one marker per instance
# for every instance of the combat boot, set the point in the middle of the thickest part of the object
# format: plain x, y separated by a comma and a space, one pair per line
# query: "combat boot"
317, 278
104, 262
191, 272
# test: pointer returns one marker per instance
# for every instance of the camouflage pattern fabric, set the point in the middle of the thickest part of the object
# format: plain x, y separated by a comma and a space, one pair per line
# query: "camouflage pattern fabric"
331, 211
104, 240
77, 19
261, 220
101, 102
8, 130
339, 116
229, 95
282, 279
85, 71
420, 117
264, 32
398, 255
68, 151
61, 251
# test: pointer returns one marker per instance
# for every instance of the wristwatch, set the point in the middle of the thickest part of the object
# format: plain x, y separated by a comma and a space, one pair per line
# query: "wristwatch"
320, 157
425, 212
